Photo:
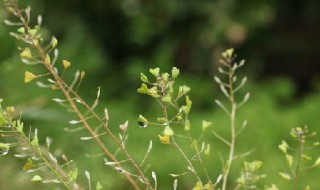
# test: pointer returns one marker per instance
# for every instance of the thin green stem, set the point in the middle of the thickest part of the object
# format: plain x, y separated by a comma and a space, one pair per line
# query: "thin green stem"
192, 169
297, 170
221, 138
232, 126
187, 159
200, 159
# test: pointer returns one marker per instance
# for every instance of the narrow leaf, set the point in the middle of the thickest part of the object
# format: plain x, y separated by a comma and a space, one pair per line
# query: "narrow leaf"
144, 78
53, 158
222, 106
96, 102
87, 174
224, 91
58, 100
86, 138
285, 175
106, 114
39, 20
154, 176
217, 79
72, 122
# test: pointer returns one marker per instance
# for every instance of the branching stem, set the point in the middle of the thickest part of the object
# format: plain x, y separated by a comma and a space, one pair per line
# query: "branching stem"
232, 126
68, 91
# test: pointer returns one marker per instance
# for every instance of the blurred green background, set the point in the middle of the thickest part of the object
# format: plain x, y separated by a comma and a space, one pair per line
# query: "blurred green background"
113, 41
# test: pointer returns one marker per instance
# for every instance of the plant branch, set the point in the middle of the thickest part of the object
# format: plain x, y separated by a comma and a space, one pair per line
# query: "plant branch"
233, 104
297, 170
66, 91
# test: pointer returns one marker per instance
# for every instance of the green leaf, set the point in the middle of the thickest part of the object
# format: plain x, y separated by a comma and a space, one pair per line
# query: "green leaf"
47, 60
168, 131
22, 30
73, 174
143, 89
33, 32
208, 186
162, 120
98, 187
2, 120
10, 110
36, 178
198, 186
19, 127
283, 147
317, 162
54, 42
228, 53
155, 71
174, 72
35, 141
187, 107
257, 164
166, 98
153, 92
165, 139
306, 157
289, 159
241, 180
4, 148
285, 175
207, 150
165, 77
26, 54
142, 121
170, 87
205, 125
183, 90
273, 187
252, 166
28, 165
143, 78
187, 125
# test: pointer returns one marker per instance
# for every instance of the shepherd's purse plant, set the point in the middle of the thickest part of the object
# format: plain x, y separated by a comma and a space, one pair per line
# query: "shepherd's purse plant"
175, 121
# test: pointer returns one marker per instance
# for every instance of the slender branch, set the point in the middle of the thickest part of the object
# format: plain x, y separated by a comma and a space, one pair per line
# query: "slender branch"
36, 150
62, 85
66, 89
200, 159
191, 167
297, 170
232, 125
187, 159
225, 141
244, 154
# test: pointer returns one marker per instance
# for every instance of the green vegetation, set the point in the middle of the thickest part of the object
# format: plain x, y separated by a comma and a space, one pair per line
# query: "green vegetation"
72, 134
